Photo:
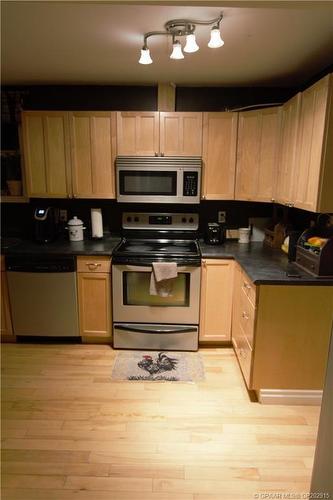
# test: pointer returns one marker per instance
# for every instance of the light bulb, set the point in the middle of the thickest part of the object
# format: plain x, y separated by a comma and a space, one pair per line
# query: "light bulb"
145, 56
191, 44
177, 51
215, 38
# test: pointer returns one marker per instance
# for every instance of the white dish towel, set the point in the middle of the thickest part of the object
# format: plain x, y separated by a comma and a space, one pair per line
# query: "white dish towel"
162, 278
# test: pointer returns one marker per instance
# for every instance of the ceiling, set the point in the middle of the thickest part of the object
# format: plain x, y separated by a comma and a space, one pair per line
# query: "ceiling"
87, 42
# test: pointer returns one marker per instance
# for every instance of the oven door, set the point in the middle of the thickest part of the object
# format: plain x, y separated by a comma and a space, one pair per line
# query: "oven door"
132, 302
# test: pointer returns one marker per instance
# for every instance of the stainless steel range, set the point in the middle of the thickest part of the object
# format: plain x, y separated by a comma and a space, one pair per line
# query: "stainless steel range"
156, 282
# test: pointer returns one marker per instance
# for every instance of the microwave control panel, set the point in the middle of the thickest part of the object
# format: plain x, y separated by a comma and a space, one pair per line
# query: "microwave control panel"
190, 185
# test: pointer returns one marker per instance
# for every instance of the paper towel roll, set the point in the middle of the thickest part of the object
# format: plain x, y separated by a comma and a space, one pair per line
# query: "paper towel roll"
96, 223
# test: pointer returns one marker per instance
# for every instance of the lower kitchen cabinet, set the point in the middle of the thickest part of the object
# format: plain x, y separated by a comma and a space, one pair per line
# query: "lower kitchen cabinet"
6, 320
94, 297
216, 300
281, 334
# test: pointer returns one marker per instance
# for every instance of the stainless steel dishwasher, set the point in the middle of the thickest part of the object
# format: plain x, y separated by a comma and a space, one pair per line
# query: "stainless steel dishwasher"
43, 295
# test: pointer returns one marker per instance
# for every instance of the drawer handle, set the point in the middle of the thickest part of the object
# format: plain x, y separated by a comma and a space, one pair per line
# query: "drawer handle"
245, 315
93, 265
246, 285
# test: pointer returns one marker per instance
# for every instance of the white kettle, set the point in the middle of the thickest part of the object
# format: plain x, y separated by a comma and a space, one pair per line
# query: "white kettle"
75, 229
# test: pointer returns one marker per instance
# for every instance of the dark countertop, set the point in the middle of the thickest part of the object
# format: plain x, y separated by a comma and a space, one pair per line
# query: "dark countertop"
262, 264
60, 247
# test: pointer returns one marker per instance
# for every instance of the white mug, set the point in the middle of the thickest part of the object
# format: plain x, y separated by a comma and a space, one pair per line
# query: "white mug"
244, 235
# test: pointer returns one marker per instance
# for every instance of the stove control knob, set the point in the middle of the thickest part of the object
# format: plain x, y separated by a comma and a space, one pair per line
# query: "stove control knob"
184, 220
129, 219
136, 219
191, 220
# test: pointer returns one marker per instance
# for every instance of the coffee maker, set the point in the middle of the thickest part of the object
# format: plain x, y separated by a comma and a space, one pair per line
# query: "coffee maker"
45, 224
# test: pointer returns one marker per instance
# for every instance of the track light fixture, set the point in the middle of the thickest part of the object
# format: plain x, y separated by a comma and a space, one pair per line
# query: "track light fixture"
183, 28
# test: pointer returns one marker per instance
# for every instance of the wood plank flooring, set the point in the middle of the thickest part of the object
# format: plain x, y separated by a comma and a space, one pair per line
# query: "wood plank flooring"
70, 433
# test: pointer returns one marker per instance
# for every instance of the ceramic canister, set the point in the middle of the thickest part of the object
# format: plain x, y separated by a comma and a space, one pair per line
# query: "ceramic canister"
75, 229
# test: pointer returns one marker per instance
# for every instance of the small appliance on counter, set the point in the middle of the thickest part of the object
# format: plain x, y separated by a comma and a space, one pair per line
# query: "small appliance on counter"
46, 224
215, 233
314, 250
75, 229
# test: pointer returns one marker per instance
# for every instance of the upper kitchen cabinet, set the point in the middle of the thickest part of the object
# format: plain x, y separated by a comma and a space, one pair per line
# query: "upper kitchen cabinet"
138, 133
154, 133
93, 144
314, 159
257, 154
284, 187
180, 134
219, 155
46, 153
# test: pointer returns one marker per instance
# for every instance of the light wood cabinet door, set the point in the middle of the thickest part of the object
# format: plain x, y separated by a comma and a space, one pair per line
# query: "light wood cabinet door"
46, 153
270, 125
248, 146
94, 292
257, 154
284, 191
93, 144
138, 133
216, 300
6, 320
219, 155
180, 134
311, 160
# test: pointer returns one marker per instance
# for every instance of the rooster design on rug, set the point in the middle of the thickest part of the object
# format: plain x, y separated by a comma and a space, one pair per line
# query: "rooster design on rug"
163, 363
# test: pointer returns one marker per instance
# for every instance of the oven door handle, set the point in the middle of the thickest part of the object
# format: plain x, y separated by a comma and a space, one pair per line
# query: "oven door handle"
156, 330
150, 269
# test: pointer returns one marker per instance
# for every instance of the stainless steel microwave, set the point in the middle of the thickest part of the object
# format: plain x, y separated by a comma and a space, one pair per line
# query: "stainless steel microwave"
161, 179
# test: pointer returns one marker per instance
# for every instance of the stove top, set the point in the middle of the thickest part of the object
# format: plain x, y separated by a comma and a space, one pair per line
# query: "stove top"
158, 237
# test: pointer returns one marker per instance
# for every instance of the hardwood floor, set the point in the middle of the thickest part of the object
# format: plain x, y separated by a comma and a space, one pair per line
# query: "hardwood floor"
70, 433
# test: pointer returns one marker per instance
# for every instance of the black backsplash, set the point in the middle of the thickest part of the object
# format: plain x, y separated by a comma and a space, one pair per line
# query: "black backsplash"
17, 218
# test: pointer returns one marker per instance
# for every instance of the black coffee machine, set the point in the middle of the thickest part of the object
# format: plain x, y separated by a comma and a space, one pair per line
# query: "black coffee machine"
215, 233
46, 224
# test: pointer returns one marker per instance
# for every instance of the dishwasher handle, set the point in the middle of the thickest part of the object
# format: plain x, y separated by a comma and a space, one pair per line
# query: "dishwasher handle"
41, 265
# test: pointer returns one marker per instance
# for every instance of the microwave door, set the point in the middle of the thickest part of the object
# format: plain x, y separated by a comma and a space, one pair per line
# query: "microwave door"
147, 184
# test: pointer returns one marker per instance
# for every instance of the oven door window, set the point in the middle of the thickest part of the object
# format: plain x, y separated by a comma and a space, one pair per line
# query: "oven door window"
136, 290
136, 182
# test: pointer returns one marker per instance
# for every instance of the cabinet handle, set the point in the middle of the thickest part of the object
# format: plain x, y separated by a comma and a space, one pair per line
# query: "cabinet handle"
246, 285
93, 265
272, 200
245, 315
162, 154
156, 154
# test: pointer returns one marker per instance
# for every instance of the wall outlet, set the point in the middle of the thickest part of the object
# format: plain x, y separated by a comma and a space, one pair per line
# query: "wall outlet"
221, 217
63, 215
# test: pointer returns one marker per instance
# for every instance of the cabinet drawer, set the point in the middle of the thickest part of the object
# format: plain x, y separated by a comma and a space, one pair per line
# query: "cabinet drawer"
93, 264
248, 288
247, 313
244, 355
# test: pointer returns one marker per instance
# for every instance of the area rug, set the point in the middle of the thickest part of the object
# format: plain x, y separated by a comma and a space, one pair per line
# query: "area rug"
158, 366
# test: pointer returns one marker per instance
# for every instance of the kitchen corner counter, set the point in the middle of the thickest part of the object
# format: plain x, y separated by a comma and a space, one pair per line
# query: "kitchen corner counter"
62, 247
264, 265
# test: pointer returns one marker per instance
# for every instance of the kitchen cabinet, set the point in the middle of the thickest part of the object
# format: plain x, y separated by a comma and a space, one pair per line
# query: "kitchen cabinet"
94, 297
257, 154
159, 133
216, 300
286, 179
69, 154
46, 153
313, 170
280, 340
6, 321
93, 144
219, 155
243, 317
